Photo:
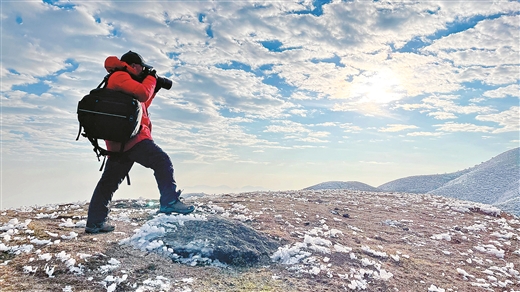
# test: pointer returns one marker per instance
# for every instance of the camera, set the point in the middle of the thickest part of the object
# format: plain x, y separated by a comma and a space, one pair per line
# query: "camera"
162, 82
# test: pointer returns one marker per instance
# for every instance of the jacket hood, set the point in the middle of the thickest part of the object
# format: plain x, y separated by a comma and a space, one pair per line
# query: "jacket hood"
113, 63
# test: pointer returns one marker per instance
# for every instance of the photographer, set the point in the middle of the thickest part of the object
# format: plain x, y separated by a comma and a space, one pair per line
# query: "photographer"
131, 75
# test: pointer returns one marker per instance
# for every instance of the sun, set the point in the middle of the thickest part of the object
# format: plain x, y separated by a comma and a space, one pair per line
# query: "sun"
381, 87
370, 92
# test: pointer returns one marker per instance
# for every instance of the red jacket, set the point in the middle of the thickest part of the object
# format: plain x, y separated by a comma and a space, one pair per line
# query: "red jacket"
144, 92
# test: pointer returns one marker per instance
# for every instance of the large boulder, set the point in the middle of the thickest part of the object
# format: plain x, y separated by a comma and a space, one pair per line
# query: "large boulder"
201, 240
229, 242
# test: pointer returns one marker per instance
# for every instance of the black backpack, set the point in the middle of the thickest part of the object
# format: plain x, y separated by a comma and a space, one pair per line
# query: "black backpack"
109, 115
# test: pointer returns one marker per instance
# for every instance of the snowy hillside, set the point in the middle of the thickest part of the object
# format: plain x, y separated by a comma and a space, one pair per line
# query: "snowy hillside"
329, 240
343, 185
495, 181
512, 206
420, 184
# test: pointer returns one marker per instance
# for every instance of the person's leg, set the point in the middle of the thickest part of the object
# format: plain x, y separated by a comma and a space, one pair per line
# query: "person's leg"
149, 155
114, 173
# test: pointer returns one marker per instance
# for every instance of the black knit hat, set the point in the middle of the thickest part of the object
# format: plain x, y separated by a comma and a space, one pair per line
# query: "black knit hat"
133, 58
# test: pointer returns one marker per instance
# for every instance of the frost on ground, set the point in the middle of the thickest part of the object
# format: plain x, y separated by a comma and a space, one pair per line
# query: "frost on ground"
327, 240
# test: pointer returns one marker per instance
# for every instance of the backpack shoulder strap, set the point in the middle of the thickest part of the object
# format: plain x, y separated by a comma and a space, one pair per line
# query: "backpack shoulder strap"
105, 80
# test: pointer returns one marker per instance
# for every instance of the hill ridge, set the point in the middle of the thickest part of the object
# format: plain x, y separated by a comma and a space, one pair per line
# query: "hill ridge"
340, 185
495, 181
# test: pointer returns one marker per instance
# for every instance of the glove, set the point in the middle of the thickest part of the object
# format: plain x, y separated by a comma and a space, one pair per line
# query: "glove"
152, 73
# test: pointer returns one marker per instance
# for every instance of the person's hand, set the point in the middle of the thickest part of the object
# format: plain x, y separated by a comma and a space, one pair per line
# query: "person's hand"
153, 73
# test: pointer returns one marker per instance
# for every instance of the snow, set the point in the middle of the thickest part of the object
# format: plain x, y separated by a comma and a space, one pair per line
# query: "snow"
490, 249
434, 288
45, 257
442, 236
374, 253
145, 237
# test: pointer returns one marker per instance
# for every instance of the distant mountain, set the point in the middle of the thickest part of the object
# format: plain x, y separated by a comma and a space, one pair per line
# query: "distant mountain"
342, 185
421, 184
495, 181
511, 206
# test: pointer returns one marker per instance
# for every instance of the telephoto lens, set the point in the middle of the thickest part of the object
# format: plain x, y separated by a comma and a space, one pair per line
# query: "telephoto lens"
164, 83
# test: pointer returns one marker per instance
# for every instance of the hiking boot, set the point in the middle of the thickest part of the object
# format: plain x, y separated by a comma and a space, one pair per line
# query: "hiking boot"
99, 228
176, 206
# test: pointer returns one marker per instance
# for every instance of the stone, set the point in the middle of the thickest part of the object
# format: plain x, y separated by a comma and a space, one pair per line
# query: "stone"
228, 241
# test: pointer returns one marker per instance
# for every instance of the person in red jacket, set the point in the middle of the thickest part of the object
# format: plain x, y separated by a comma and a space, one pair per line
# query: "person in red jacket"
127, 76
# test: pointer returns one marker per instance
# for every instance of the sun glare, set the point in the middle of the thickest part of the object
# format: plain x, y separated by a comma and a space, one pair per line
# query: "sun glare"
382, 87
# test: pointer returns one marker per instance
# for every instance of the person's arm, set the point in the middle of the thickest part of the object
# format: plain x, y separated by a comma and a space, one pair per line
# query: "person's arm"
122, 81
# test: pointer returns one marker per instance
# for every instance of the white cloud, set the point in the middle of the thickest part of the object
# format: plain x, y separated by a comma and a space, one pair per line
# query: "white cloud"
445, 107
463, 127
298, 112
397, 128
501, 92
447, 103
442, 115
350, 128
509, 120
375, 162
425, 134
485, 52
488, 36
356, 67
297, 132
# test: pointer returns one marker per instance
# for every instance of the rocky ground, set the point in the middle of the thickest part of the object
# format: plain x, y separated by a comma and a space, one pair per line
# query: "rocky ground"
328, 241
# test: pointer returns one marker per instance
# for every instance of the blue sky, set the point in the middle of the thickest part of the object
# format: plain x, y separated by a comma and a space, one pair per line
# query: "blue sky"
266, 95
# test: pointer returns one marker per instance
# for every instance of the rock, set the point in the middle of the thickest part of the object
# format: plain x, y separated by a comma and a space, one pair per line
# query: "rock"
230, 242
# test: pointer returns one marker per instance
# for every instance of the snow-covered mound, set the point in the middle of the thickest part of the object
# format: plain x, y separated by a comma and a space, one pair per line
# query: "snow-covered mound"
343, 185
492, 182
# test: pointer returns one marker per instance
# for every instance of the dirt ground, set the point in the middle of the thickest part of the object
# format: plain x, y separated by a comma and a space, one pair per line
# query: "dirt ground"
354, 241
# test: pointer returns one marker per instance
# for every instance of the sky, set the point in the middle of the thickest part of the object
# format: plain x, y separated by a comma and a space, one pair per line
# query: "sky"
266, 95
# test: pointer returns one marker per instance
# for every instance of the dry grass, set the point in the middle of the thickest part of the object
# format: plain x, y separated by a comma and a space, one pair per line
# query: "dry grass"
397, 224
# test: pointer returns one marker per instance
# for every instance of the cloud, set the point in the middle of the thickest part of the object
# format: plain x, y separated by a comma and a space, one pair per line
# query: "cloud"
501, 92
447, 104
444, 107
462, 127
490, 42
252, 78
484, 52
425, 134
375, 162
397, 128
297, 132
442, 115
507, 119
